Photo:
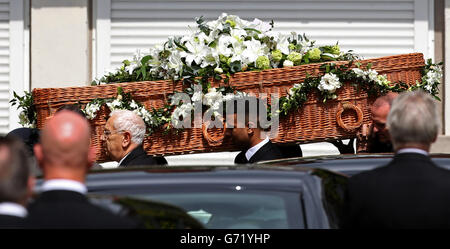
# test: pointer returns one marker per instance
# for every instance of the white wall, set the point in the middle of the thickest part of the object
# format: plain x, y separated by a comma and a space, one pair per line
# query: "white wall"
17, 61
59, 43
447, 68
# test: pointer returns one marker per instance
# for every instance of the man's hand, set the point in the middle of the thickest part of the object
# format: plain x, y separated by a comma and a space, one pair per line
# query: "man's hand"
365, 132
344, 149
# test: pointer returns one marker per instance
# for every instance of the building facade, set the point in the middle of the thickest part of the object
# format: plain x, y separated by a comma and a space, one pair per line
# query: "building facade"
59, 43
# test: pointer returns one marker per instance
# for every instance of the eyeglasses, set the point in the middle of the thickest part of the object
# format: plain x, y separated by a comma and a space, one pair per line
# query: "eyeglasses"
107, 133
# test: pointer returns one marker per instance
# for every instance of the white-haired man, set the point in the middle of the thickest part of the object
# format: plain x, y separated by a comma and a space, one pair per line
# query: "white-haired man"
123, 136
411, 191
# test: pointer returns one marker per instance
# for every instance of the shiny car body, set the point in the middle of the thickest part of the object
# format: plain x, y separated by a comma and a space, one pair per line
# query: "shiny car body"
350, 164
232, 197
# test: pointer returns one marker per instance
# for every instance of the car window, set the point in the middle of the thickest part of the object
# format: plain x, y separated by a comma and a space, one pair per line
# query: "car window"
149, 214
334, 187
245, 210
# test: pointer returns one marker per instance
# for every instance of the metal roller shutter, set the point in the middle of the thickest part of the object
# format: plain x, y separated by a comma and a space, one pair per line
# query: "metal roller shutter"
4, 66
370, 28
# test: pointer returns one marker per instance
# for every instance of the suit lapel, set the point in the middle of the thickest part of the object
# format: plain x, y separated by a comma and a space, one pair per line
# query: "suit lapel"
133, 154
261, 152
240, 158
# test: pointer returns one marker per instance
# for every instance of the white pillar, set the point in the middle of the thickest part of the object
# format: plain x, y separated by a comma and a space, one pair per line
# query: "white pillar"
60, 44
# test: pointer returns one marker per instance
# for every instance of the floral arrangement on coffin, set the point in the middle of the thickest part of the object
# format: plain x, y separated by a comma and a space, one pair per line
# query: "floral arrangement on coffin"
366, 79
228, 45
224, 46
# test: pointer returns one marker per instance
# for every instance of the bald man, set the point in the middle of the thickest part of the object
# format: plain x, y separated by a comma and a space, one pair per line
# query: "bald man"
380, 140
375, 139
65, 156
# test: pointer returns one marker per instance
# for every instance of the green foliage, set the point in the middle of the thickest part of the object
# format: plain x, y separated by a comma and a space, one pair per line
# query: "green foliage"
299, 95
28, 116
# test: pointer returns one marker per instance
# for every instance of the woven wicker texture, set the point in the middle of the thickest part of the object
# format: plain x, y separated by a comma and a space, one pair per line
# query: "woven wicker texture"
315, 121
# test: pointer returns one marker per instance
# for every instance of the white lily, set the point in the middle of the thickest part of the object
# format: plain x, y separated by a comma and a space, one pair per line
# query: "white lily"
133, 65
222, 48
238, 52
133, 104
260, 25
283, 43
174, 61
254, 49
239, 23
238, 34
196, 52
155, 62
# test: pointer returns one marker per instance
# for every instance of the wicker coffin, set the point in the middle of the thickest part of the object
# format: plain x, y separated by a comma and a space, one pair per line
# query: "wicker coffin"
315, 121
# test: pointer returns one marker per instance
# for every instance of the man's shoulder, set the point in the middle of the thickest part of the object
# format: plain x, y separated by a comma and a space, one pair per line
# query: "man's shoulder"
268, 151
138, 157
240, 158
363, 178
412, 166
10, 221
143, 159
271, 150
72, 211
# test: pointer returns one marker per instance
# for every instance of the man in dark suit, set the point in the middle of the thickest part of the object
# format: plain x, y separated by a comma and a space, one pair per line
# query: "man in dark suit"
65, 156
247, 133
411, 191
16, 182
376, 138
123, 136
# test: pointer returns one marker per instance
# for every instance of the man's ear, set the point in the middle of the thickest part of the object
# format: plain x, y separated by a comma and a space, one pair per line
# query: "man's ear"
435, 138
37, 148
30, 186
249, 131
126, 139
251, 125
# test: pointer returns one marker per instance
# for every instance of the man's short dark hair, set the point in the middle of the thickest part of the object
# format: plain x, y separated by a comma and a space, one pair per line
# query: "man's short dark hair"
29, 136
248, 104
71, 107
14, 170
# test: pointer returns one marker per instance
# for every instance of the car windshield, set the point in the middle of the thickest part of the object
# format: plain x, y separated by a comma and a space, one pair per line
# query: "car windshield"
238, 210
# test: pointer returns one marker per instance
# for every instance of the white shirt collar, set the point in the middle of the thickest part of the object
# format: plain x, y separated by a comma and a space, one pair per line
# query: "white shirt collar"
250, 152
412, 150
13, 209
64, 184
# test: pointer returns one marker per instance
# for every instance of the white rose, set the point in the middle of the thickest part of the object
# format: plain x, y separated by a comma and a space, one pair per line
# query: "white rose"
295, 87
288, 63
372, 74
359, 72
228, 97
212, 97
329, 83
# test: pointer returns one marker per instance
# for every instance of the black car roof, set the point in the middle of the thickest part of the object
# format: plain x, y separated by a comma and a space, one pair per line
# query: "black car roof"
350, 164
279, 177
